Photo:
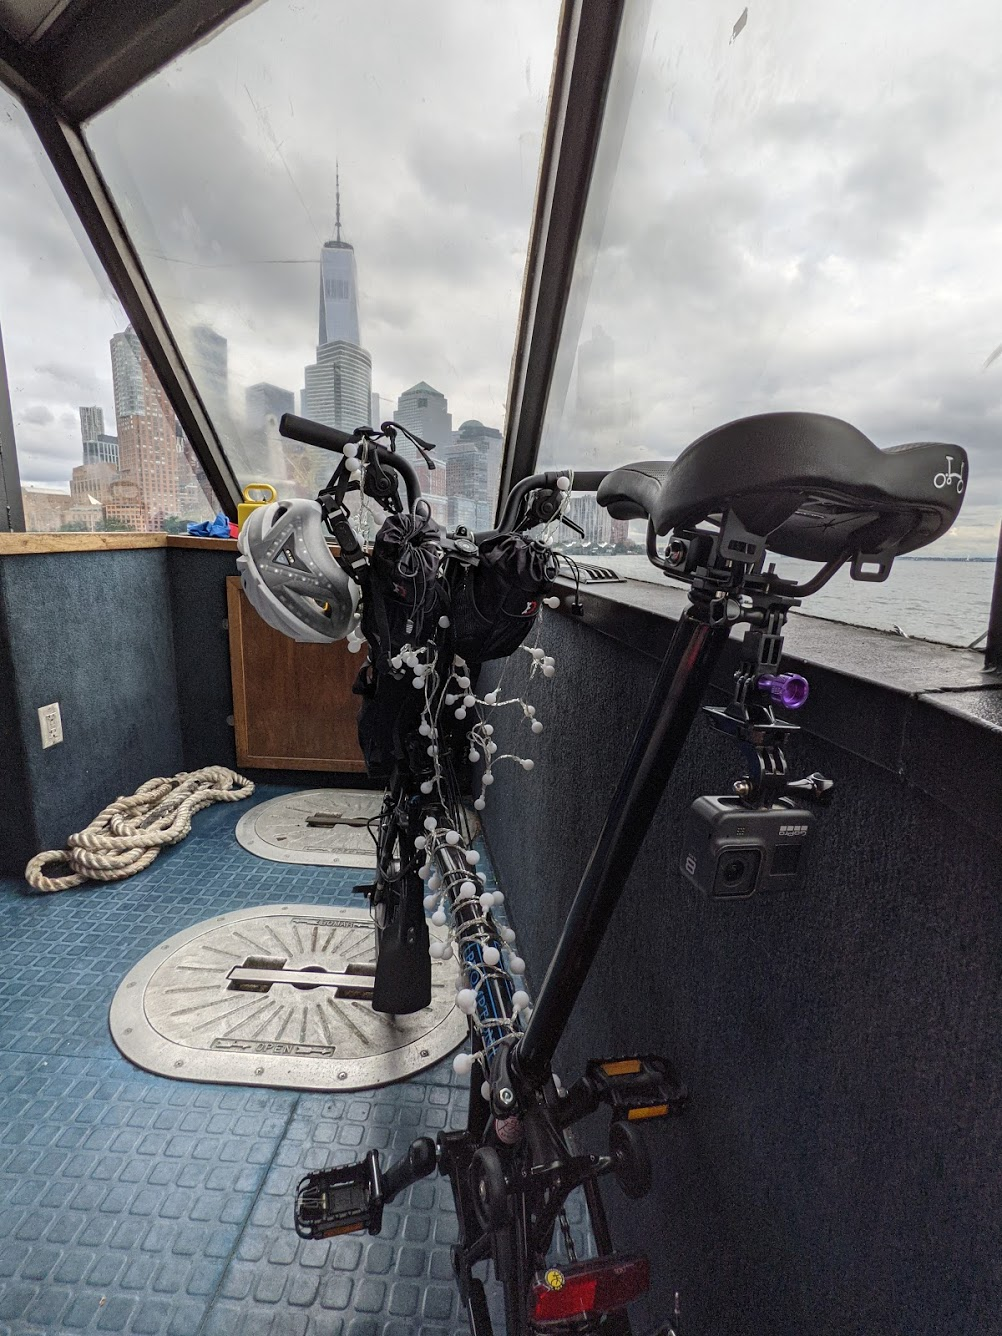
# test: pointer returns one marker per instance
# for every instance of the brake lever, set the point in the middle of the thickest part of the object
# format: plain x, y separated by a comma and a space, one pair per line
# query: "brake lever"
572, 524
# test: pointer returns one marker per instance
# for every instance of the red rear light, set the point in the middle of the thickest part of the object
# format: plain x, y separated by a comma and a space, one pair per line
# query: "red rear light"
599, 1285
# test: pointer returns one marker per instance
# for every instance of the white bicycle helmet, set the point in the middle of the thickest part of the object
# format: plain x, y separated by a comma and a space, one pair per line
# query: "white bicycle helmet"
290, 575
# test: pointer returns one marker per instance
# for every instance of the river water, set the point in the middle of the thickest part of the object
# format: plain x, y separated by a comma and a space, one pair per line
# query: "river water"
945, 600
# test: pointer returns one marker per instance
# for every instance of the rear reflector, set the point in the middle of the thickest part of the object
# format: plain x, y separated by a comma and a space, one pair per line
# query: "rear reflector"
600, 1285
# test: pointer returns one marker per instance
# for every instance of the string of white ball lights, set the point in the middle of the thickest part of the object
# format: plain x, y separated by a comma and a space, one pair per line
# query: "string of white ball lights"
488, 962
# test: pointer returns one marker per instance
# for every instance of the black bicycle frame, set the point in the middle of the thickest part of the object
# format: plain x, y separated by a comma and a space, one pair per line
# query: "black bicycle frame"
682, 680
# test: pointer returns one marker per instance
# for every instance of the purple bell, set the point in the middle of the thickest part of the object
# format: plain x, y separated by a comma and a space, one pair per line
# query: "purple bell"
787, 689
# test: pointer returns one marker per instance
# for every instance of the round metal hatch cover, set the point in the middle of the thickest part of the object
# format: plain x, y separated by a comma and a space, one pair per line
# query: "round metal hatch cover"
323, 827
277, 996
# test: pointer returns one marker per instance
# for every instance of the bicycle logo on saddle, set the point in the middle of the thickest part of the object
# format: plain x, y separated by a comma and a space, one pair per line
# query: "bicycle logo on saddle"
942, 480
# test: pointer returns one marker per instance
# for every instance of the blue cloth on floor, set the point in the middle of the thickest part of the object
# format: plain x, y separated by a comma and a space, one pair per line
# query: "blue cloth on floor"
217, 528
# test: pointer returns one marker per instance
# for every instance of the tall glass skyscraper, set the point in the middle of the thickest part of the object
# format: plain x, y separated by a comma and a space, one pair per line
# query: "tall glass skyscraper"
339, 383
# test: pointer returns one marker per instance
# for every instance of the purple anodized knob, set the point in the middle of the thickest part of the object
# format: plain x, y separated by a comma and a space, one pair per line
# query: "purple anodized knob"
787, 689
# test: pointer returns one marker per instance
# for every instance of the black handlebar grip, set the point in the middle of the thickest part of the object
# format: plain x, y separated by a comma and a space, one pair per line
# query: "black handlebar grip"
313, 433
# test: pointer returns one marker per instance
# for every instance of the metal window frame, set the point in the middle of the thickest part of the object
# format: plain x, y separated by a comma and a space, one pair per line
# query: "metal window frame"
11, 504
993, 644
587, 40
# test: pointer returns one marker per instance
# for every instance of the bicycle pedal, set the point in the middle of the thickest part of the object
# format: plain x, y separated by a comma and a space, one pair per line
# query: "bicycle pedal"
638, 1088
340, 1200
363, 890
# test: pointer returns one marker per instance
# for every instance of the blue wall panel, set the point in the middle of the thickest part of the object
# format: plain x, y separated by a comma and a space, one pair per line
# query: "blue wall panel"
838, 1169
91, 630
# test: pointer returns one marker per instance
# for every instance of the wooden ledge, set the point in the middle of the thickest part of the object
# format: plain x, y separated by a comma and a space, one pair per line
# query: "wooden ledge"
35, 544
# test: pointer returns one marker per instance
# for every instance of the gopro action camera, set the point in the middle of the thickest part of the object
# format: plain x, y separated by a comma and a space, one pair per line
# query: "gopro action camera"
730, 851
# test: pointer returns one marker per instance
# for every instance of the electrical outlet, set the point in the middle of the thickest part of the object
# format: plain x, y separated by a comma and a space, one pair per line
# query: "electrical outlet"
51, 724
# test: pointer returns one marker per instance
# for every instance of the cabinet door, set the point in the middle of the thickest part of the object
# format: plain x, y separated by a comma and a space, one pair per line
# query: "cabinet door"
292, 703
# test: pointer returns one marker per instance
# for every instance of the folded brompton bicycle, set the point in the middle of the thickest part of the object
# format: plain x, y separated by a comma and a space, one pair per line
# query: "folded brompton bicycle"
436, 606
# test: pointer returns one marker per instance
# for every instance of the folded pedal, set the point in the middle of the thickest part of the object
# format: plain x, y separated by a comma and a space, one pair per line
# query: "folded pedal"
637, 1088
340, 1200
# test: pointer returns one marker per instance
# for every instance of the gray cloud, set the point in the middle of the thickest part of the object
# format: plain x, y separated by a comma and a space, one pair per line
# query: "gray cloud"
37, 415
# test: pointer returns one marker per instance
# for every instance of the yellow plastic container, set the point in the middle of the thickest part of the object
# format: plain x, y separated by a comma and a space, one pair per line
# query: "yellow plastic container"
248, 504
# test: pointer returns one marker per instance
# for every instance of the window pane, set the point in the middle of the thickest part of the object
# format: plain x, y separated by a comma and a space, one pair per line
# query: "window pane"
333, 201
98, 445
796, 207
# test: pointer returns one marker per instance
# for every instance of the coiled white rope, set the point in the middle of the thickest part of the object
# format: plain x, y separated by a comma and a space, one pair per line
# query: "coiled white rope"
130, 832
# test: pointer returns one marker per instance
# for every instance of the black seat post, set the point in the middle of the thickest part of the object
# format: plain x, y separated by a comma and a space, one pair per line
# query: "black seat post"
675, 700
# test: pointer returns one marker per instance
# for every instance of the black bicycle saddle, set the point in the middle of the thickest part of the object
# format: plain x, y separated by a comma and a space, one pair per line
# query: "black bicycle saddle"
812, 485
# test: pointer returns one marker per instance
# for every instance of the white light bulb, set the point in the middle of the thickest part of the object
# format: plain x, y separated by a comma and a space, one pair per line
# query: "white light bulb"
353, 465
520, 1000
487, 900
430, 823
491, 698
452, 837
424, 872
437, 950
354, 646
515, 963
420, 841
552, 601
466, 1000
489, 730
488, 778
528, 764
438, 918
531, 711
472, 857
463, 682
467, 890
424, 730
548, 659
537, 727
492, 747
434, 882
474, 754
418, 683
563, 484
548, 670
443, 621
492, 956
396, 661
469, 701
427, 786
536, 652
462, 1064
460, 713
499, 897
350, 449
507, 935
485, 1090
479, 804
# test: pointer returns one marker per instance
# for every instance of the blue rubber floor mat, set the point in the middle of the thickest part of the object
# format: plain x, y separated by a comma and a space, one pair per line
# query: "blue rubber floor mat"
131, 1203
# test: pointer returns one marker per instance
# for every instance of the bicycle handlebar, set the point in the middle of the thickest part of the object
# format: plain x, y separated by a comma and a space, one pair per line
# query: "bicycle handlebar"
585, 481
331, 438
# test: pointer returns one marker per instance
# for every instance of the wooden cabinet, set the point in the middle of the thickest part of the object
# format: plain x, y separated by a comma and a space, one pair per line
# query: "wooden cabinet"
292, 703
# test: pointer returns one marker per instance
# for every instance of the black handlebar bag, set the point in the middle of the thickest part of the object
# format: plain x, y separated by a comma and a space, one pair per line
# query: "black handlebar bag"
490, 608
496, 601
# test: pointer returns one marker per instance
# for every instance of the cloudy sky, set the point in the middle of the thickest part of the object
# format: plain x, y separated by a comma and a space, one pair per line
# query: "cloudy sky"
801, 214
